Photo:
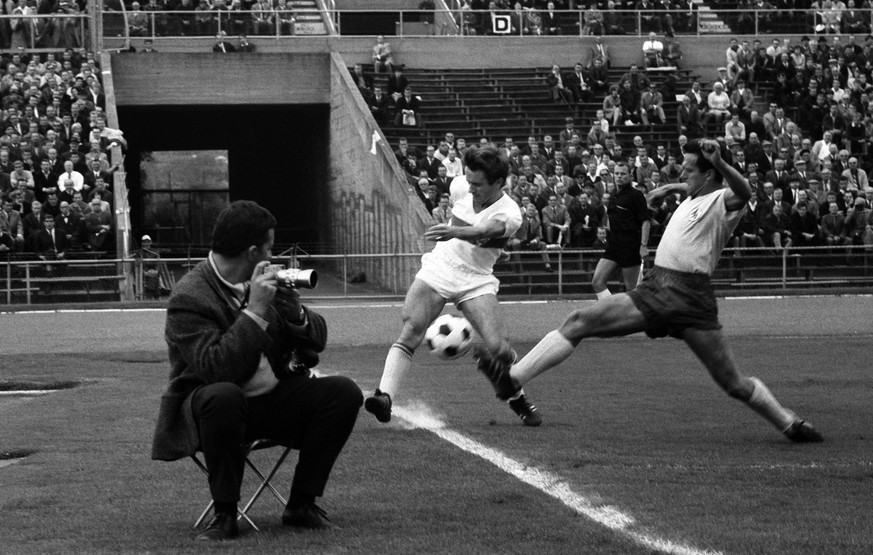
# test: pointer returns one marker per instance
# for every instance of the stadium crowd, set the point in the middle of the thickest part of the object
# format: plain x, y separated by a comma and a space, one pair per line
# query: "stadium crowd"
55, 173
807, 155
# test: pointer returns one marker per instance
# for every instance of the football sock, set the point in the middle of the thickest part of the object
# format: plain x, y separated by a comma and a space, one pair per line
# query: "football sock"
553, 349
397, 362
603, 294
764, 403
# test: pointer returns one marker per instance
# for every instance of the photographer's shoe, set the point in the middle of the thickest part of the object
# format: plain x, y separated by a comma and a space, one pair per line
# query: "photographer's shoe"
223, 526
801, 431
308, 516
526, 410
380, 405
497, 371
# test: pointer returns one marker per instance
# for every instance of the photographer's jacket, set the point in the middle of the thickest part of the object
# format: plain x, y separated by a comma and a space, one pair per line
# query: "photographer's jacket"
210, 340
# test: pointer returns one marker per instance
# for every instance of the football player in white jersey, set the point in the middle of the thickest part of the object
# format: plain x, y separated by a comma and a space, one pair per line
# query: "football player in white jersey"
676, 297
460, 270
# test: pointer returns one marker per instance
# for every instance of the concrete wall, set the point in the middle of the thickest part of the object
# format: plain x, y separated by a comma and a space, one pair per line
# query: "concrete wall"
374, 210
702, 54
185, 78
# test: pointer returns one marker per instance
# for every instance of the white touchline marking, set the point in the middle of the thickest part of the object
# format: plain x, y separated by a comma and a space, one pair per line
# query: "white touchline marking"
547, 482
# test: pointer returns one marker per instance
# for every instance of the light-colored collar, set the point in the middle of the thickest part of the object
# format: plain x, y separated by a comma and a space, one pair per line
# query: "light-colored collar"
238, 289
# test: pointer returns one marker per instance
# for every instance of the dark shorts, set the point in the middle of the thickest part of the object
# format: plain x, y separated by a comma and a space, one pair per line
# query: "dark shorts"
673, 301
624, 249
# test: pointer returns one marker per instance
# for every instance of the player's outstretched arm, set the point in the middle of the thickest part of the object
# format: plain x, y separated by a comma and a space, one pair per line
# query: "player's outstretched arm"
740, 190
655, 196
489, 229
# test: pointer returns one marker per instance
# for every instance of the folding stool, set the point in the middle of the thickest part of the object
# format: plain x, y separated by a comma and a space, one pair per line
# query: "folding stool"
265, 481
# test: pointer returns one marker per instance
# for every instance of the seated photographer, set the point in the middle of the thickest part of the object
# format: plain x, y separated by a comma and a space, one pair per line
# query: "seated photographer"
240, 347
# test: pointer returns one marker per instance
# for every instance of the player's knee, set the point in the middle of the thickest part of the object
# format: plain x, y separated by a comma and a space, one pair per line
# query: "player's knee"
576, 326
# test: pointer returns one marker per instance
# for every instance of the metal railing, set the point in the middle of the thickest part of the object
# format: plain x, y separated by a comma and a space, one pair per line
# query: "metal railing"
25, 282
47, 32
462, 22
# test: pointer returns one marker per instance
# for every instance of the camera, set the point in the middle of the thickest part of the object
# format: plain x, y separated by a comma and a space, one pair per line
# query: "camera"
294, 278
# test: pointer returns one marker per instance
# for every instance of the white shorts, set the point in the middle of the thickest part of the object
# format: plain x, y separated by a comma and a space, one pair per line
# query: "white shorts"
455, 282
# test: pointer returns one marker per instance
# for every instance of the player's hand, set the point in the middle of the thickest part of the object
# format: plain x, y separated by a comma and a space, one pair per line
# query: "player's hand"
262, 290
644, 251
439, 232
710, 150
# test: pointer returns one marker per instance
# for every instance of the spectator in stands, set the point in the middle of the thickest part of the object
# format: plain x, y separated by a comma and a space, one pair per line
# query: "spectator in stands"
612, 105
551, 20
600, 51
382, 57
559, 88
585, 219
262, 18
32, 222
592, 20
688, 118
137, 21
672, 54
597, 136
11, 226
653, 49
804, 227
735, 129
48, 242
69, 224
854, 21
380, 106
649, 20
598, 78
749, 231
579, 85
833, 225
652, 105
629, 101
857, 177
637, 80
222, 45
99, 227
556, 222
443, 212
718, 104
407, 110
698, 97
742, 100
567, 133
528, 237
776, 228
453, 165
397, 82
859, 223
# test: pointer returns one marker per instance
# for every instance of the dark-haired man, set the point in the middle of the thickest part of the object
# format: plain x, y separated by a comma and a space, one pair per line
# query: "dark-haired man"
460, 270
232, 336
676, 298
629, 226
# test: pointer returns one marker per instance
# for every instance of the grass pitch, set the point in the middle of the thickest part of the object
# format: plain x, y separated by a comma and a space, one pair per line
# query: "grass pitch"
633, 427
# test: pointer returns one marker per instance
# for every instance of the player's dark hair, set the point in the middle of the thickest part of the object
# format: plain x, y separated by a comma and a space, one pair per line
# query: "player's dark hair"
242, 224
489, 161
704, 165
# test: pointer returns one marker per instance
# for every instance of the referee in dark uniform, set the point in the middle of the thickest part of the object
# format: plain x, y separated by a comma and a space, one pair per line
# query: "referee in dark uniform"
628, 223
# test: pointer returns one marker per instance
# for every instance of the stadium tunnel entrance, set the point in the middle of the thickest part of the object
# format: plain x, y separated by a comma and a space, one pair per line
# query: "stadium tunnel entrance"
277, 155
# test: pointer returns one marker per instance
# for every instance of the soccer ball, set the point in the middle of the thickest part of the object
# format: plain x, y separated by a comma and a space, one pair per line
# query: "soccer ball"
449, 337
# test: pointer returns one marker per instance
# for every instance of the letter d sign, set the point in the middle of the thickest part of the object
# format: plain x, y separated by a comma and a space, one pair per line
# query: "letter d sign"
501, 24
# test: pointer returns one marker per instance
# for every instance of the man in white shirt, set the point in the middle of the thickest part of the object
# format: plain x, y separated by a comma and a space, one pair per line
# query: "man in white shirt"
69, 173
719, 103
453, 164
652, 50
